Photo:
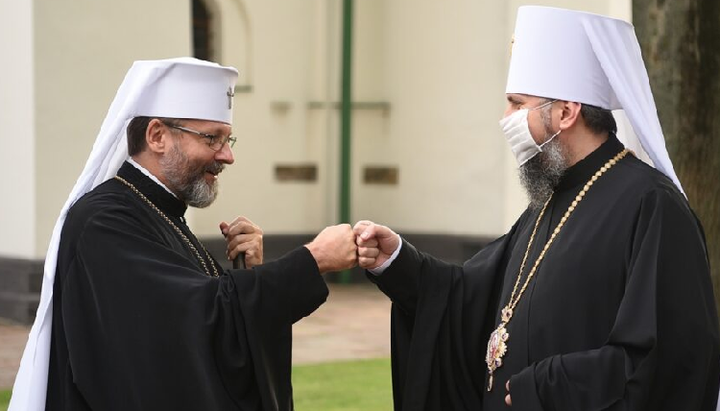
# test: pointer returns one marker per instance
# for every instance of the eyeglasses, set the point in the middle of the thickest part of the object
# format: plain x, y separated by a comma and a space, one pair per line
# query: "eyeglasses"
214, 142
545, 104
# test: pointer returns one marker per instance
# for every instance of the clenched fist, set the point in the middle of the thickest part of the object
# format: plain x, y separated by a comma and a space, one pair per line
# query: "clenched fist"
376, 243
243, 236
334, 248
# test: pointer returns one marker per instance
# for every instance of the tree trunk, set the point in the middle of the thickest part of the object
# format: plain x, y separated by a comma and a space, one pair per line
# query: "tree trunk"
680, 40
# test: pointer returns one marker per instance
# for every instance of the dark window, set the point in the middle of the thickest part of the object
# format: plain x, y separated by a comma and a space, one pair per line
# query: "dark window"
201, 30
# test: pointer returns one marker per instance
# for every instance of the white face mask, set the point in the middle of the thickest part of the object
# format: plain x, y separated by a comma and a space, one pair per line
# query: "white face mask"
517, 132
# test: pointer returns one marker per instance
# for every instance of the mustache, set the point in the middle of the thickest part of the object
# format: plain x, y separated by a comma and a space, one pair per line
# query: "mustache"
215, 168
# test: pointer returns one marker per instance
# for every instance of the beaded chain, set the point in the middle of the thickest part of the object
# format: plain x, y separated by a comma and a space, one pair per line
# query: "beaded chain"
176, 228
497, 345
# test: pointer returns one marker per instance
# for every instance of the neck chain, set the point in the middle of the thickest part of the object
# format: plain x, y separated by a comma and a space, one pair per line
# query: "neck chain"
497, 345
176, 228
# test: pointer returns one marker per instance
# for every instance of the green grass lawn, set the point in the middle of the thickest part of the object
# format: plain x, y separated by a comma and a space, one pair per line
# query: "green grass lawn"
4, 399
347, 386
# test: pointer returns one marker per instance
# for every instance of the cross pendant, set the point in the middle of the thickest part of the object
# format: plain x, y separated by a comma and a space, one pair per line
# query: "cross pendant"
230, 93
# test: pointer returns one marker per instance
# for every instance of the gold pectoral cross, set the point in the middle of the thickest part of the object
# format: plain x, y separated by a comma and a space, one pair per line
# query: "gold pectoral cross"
497, 346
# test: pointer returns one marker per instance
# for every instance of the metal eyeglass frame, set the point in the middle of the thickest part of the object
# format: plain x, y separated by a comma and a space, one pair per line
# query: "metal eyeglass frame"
213, 139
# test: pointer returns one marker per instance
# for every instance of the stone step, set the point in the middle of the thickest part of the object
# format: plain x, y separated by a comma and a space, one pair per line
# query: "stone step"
19, 307
20, 285
21, 275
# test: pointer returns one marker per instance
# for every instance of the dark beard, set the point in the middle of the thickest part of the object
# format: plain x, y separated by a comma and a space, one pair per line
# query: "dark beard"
541, 174
188, 180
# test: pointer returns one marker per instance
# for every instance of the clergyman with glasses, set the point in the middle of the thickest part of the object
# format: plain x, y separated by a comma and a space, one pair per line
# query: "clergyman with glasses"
135, 314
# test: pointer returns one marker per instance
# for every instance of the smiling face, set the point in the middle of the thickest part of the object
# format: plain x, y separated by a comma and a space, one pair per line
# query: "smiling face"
190, 166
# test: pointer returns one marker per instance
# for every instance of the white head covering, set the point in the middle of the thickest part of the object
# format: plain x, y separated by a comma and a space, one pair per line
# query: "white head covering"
591, 59
174, 88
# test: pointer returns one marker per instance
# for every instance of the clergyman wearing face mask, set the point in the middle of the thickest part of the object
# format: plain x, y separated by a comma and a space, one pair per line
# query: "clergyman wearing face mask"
587, 302
517, 131
541, 166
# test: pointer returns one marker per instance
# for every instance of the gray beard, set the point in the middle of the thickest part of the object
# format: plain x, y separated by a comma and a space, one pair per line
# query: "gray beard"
541, 174
188, 182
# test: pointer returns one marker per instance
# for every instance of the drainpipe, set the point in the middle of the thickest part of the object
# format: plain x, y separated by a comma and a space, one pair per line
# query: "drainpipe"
345, 118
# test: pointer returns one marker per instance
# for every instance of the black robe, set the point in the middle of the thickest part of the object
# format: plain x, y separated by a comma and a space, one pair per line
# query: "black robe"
138, 325
619, 316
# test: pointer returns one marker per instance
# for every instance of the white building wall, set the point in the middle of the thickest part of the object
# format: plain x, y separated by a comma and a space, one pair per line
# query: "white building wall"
443, 82
442, 70
441, 67
436, 66
83, 49
271, 121
17, 134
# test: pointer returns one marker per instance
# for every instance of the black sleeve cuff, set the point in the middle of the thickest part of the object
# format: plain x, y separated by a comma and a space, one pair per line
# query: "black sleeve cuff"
400, 280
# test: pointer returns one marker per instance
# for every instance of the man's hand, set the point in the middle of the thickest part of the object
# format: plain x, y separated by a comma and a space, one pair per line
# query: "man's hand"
334, 248
376, 243
508, 400
243, 236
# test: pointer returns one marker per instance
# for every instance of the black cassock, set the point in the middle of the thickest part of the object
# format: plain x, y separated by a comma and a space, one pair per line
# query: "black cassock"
619, 316
138, 324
